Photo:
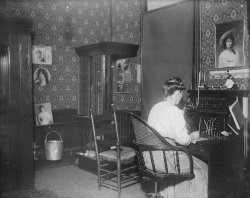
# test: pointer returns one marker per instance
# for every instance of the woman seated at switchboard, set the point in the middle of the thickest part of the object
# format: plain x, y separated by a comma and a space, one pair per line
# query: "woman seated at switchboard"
169, 121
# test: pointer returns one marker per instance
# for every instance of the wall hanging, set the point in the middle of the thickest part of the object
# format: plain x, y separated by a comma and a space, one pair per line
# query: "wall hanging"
42, 55
43, 114
41, 76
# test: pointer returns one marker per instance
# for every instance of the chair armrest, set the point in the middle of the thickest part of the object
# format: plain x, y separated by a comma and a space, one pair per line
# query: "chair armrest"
185, 150
168, 148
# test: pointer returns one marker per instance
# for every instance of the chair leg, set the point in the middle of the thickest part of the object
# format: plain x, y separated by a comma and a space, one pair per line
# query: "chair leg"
119, 183
99, 177
157, 195
119, 188
118, 172
156, 187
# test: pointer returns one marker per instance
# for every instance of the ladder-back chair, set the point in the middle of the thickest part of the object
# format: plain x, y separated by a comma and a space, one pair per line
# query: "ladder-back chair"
116, 165
148, 141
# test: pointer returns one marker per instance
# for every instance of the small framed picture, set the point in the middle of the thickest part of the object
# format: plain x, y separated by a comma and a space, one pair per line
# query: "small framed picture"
123, 75
43, 114
41, 76
42, 55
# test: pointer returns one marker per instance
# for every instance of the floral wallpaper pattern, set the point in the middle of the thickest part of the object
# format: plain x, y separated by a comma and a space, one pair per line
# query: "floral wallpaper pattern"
215, 12
64, 25
128, 31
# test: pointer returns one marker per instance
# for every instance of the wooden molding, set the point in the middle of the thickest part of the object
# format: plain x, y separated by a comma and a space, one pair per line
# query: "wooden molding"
15, 25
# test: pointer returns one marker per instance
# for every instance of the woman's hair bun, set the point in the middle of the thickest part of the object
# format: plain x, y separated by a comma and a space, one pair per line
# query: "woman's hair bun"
171, 85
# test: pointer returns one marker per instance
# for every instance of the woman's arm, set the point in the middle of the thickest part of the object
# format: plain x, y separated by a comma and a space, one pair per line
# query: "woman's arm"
179, 128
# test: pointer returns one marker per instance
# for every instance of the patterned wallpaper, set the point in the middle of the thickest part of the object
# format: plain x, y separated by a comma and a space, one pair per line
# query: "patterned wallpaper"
216, 12
63, 25
126, 28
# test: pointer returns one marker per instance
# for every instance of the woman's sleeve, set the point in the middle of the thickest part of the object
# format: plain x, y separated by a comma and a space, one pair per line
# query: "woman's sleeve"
179, 129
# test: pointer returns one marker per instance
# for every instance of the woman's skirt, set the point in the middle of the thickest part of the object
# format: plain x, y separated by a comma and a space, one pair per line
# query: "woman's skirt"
194, 188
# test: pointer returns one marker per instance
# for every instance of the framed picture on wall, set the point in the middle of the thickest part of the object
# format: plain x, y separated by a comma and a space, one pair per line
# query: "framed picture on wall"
230, 45
230, 57
42, 55
41, 76
123, 75
43, 114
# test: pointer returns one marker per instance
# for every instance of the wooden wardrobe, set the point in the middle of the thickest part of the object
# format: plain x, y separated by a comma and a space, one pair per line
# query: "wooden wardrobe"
16, 106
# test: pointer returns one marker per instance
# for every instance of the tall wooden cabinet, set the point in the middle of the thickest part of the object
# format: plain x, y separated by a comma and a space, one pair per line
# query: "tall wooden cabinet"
16, 117
96, 74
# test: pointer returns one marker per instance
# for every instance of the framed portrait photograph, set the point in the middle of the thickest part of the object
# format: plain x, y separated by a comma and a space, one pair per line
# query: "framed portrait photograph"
123, 75
43, 114
229, 45
41, 76
42, 55
230, 60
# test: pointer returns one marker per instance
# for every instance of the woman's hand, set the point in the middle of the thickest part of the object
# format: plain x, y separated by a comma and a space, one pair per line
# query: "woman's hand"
194, 135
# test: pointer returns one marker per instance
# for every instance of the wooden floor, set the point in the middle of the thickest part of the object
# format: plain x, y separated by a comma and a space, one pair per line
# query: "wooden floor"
67, 160
43, 164
248, 181
29, 194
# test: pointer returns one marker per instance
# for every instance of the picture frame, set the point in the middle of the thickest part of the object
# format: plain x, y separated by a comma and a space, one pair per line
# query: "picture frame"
123, 75
240, 75
229, 45
41, 76
43, 114
42, 55
239, 70
237, 73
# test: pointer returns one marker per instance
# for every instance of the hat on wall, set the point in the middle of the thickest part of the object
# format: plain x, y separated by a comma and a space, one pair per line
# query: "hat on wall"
228, 33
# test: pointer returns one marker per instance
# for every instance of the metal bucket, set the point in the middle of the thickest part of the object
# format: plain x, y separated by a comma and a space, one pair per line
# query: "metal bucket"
53, 148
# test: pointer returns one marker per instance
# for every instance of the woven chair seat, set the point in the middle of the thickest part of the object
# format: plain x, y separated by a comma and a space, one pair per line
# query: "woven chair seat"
127, 155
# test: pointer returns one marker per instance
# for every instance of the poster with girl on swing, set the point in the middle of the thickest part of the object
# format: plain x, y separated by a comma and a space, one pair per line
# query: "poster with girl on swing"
123, 75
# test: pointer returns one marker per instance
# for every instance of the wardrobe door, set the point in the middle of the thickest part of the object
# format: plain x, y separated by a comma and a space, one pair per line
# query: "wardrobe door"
94, 85
4, 117
25, 105
16, 110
